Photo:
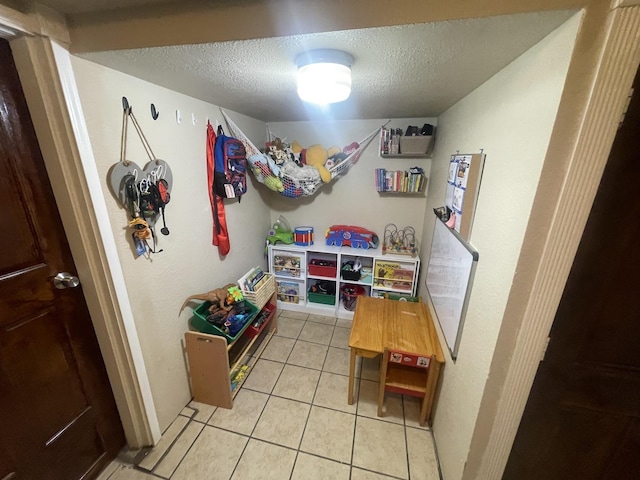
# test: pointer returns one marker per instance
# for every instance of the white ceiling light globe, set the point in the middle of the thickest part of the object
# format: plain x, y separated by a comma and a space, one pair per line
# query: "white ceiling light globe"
324, 76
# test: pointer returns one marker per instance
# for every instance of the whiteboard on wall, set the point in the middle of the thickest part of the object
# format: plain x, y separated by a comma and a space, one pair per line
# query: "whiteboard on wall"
449, 279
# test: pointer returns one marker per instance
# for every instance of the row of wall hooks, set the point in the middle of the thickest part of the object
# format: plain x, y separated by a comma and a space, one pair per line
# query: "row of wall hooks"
155, 113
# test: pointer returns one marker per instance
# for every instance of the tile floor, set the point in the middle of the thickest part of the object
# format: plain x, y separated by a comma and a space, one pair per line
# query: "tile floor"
291, 421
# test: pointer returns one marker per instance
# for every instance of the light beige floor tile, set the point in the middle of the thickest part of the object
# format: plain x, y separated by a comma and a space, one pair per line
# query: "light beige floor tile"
337, 361
332, 392
329, 434
203, 460
370, 369
380, 447
423, 464
321, 319
368, 403
297, 383
340, 337
289, 327
344, 323
263, 376
316, 333
282, 422
203, 411
242, 418
412, 407
292, 314
359, 474
125, 472
309, 467
177, 452
187, 412
168, 437
278, 349
310, 355
264, 461
110, 469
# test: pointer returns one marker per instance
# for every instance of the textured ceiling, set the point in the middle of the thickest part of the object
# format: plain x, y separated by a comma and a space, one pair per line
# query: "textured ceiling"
417, 70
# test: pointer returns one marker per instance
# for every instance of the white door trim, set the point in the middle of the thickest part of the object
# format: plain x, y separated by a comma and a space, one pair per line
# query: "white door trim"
524, 331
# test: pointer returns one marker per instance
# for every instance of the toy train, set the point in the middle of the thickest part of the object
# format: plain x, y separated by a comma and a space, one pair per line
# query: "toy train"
350, 236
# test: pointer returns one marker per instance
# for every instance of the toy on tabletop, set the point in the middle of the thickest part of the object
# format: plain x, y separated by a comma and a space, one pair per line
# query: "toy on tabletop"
351, 236
401, 242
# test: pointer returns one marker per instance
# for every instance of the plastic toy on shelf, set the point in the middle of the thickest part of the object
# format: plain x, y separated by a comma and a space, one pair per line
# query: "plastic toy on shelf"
280, 232
399, 242
350, 236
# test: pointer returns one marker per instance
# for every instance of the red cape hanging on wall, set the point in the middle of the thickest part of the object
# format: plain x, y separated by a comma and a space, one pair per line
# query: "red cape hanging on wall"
220, 231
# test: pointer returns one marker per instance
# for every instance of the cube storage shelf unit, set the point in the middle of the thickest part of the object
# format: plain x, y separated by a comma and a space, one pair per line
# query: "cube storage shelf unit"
217, 365
310, 278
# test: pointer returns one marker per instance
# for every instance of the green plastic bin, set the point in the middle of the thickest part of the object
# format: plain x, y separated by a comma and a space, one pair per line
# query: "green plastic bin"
321, 298
199, 321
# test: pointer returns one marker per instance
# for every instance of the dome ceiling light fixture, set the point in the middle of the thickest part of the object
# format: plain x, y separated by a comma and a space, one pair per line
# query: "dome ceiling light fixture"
324, 76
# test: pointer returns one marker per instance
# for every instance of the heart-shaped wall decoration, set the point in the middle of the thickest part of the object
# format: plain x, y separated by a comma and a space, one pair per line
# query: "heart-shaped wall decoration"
158, 169
117, 174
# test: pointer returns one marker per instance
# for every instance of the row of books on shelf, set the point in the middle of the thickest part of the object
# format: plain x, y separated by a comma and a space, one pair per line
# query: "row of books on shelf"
412, 181
252, 280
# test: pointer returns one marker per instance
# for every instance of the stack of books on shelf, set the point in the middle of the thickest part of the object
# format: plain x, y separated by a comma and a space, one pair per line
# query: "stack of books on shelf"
252, 280
412, 181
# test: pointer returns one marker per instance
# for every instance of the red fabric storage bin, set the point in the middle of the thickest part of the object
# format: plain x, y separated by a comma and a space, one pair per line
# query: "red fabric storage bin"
323, 268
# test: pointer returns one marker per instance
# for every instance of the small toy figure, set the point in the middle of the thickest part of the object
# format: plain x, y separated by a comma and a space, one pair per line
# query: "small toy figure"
217, 297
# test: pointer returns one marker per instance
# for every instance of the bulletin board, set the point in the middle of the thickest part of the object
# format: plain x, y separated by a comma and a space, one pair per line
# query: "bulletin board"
449, 279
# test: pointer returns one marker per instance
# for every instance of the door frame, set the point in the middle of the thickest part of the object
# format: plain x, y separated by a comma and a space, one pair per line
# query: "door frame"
38, 45
37, 42
578, 152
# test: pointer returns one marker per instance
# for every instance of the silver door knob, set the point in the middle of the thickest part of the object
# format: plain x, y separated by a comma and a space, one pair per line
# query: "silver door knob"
65, 280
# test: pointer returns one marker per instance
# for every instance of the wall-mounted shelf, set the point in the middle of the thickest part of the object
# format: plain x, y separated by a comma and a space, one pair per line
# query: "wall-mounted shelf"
412, 181
405, 155
395, 144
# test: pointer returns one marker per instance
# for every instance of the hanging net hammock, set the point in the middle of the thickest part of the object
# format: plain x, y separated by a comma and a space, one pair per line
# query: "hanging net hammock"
284, 175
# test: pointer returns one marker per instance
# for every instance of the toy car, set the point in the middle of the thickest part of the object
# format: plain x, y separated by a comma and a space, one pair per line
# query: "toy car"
350, 236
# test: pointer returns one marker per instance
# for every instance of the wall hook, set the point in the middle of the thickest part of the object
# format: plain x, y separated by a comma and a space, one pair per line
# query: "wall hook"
125, 105
154, 113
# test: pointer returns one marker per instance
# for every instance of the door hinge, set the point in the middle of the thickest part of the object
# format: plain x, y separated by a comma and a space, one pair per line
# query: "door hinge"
626, 108
544, 349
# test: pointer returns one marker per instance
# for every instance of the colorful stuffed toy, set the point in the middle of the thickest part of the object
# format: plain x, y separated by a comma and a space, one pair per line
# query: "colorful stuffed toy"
317, 157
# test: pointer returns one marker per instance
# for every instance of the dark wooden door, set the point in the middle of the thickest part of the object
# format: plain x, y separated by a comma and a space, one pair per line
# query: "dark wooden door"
582, 419
58, 418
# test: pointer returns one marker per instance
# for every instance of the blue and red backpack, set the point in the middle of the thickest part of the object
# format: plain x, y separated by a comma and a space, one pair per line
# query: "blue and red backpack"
230, 178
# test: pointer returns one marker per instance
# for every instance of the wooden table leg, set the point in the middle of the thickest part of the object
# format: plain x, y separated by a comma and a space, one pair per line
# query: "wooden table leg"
352, 373
432, 382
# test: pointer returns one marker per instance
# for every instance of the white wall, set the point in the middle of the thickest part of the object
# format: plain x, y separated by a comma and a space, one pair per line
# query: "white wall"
511, 117
351, 199
189, 263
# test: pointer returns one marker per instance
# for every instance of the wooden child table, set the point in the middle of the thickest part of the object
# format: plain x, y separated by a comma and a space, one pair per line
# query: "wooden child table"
407, 326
